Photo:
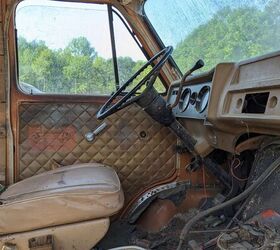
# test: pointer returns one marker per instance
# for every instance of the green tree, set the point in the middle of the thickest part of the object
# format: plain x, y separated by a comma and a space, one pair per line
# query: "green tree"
30, 55
126, 68
77, 69
78, 73
48, 68
104, 77
231, 35
81, 47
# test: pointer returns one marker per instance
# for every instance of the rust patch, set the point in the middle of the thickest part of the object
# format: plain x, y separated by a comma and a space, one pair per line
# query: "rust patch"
250, 144
269, 213
158, 215
63, 138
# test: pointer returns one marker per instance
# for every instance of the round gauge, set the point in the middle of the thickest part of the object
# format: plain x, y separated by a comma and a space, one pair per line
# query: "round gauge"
193, 98
202, 99
184, 100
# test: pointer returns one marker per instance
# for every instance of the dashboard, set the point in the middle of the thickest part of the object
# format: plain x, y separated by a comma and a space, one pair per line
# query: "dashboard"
234, 99
193, 100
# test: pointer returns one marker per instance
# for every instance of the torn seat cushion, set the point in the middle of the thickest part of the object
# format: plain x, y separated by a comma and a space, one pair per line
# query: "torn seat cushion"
65, 195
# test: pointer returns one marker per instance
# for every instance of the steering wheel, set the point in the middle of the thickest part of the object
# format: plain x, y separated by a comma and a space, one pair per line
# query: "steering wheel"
115, 104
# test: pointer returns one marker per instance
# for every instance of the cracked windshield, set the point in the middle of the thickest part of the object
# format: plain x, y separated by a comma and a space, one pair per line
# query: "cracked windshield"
216, 30
66, 48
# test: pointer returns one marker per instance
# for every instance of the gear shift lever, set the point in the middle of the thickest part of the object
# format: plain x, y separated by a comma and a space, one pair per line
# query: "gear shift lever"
199, 64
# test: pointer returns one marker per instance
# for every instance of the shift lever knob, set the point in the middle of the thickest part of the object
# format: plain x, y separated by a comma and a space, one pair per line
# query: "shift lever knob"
199, 64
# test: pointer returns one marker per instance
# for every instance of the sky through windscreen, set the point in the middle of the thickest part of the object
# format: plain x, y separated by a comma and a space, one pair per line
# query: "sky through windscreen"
57, 23
175, 19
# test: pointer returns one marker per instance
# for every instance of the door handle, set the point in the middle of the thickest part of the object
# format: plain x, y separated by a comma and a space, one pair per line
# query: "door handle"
91, 135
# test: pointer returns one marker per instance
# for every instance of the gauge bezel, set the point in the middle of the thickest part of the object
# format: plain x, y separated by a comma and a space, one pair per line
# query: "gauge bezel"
181, 105
202, 92
193, 98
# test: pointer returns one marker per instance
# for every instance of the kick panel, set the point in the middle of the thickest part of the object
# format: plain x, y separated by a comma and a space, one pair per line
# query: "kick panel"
139, 149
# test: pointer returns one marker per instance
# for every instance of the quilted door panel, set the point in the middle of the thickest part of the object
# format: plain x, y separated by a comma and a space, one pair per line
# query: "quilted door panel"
139, 149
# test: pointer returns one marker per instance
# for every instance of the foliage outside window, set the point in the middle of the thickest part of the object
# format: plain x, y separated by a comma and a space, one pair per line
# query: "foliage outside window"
65, 48
216, 30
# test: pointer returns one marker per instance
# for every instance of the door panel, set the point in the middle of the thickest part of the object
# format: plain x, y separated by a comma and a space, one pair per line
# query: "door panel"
138, 148
49, 128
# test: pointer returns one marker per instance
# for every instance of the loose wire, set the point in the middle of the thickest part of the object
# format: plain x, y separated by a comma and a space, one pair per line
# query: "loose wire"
251, 189
232, 166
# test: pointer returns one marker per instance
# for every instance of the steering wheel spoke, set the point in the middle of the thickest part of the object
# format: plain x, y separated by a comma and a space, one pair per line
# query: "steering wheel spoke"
129, 102
114, 104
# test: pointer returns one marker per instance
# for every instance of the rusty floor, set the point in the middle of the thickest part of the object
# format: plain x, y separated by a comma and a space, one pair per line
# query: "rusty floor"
122, 233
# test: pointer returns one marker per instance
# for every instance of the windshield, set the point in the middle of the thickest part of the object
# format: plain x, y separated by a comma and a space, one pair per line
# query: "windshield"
216, 30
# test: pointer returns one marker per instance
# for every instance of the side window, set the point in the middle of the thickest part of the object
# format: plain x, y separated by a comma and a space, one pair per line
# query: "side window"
66, 48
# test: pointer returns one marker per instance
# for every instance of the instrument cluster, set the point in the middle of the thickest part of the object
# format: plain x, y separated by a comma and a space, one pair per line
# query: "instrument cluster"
193, 101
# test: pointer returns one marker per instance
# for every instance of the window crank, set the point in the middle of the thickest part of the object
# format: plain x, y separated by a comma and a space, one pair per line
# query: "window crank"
90, 136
